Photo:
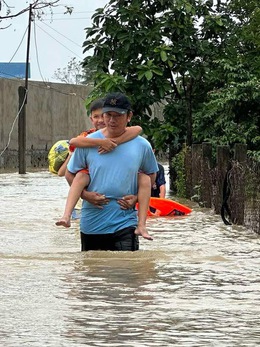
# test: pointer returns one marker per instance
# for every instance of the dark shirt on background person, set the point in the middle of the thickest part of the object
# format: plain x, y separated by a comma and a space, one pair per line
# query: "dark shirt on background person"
159, 189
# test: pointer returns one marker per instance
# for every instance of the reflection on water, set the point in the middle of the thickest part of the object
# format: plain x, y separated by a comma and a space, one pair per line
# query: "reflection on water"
196, 284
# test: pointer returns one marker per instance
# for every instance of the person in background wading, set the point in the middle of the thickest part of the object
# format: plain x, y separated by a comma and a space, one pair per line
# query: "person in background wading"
159, 187
114, 176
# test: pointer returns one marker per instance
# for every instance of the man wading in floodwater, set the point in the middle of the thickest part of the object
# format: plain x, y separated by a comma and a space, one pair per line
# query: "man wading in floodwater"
114, 174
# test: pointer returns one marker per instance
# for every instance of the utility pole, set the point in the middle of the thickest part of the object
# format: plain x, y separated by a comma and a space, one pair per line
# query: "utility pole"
23, 91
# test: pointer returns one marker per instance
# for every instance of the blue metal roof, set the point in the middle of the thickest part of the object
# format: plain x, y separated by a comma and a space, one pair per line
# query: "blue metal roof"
14, 70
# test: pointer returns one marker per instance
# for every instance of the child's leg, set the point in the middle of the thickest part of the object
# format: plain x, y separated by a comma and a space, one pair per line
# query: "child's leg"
144, 194
80, 181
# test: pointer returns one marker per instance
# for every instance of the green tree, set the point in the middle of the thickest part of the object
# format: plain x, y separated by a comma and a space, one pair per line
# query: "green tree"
230, 112
200, 57
156, 50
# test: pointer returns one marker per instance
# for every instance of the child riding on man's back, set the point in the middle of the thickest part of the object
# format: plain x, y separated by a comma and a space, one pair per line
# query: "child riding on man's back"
82, 178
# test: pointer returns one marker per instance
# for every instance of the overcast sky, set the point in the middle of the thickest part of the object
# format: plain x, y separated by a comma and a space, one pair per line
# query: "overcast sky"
53, 42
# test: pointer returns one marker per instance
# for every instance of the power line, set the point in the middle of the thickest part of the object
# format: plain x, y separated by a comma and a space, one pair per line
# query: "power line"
15, 119
37, 56
19, 45
46, 85
38, 63
49, 16
26, 89
23, 103
62, 35
77, 18
54, 13
59, 42
36, 51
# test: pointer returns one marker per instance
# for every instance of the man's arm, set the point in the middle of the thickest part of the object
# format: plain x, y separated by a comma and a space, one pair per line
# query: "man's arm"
129, 201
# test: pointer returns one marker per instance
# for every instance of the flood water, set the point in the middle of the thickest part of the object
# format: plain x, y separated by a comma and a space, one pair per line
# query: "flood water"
197, 284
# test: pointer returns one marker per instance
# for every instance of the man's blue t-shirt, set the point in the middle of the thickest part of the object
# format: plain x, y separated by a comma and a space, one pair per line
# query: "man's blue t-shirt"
114, 174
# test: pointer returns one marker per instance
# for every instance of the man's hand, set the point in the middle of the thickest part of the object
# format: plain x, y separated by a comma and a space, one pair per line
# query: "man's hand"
94, 198
127, 201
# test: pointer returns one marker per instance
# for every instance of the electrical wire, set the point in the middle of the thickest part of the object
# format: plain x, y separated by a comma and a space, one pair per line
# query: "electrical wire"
46, 85
19, 44
54, 13
62, 35
43, 20
59, 42
37, 55
16, 117
36, 85
12, 127
37, 58
7, 74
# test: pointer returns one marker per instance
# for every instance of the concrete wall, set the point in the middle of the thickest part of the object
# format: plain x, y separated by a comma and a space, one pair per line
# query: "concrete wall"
54, 111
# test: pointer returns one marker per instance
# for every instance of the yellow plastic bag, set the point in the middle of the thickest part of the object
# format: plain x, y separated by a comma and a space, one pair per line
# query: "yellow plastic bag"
57, 155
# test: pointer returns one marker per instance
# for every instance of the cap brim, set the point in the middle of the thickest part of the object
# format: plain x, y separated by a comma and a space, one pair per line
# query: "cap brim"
114, 109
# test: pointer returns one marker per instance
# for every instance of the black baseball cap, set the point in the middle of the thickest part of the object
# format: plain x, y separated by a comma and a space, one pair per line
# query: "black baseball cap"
116, 102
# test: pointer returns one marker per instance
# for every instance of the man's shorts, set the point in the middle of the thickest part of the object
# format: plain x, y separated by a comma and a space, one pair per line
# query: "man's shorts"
122, 240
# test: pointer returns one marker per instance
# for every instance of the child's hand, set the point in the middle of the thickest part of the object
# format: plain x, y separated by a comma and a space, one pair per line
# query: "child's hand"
107, 146
141, 230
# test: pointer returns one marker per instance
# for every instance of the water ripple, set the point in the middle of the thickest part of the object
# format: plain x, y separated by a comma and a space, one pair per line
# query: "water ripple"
196, 284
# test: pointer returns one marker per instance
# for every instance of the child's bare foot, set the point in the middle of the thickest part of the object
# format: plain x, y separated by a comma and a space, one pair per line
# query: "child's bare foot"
141, 230
65, 222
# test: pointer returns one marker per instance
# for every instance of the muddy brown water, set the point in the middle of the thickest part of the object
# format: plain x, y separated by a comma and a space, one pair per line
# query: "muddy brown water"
196, 284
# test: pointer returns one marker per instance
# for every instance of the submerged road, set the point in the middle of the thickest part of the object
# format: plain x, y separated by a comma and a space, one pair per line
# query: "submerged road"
196, 284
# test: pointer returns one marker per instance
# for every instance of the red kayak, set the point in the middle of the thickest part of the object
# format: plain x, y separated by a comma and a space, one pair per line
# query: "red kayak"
166, 207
